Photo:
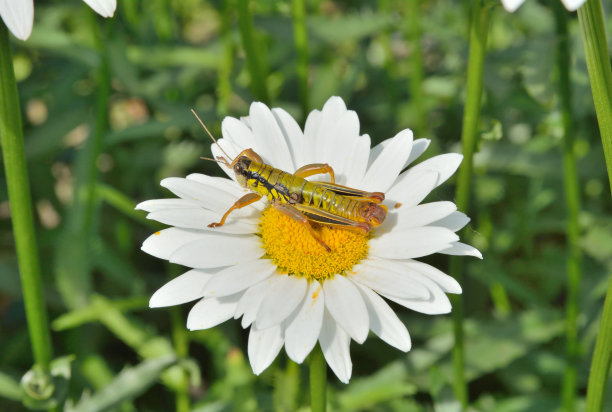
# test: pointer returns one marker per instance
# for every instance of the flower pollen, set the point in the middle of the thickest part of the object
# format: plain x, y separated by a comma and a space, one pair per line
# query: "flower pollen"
291, 246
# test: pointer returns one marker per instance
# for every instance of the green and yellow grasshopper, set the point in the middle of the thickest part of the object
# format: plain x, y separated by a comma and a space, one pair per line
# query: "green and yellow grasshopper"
325, 203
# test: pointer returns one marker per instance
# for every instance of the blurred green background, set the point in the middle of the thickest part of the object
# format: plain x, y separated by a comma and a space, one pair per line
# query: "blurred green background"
106, 116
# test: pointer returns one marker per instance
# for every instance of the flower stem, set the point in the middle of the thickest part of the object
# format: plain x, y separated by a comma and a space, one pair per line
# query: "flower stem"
255, 65
572, 200
13, 155
300, 35
417, 70
590, 18
318, 380
479, 27
226, 63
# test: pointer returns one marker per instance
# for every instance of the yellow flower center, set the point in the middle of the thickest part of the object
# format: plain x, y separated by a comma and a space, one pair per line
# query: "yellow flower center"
291, 246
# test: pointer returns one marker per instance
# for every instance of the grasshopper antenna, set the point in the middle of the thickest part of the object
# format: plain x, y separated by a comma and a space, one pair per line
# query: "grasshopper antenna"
213, 139
220, 159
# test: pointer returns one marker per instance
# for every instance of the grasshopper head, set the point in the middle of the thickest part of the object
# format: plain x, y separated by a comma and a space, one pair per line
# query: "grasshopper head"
240, 166
374, 213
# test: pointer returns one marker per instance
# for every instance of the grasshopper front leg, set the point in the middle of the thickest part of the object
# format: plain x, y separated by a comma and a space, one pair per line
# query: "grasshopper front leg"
240, 203
314, 169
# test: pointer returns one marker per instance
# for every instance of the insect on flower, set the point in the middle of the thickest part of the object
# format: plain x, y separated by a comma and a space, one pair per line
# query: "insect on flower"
302, 200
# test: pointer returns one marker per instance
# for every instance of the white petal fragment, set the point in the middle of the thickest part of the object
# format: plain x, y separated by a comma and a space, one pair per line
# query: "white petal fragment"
250, 302
216, 249
355, 167
454, 221
389, 163
155, 205
268, 135
210, 312
512, 5
345, 304
184, 288
105, 8
412, 243
18, 15
264, 345
384, 322
293, 136
163, 243
285, 294
420, 215
207, 195
335, 344
411, 189
445, 164
199, 218
446, 282
418, 148
461, 249
238, 278
305, 324
573, 5
385, 278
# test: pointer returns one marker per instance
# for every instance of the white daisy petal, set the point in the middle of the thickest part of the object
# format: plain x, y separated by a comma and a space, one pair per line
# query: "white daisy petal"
250, 302
384, 322
240, 134
335, 345
311, 128
454, 221
387, 280
238, 278
155, 205
412, 243
573, 5
435, 303
445, 164
266, 131
264, 345
182, 289
208, 196
512, 5
389, 163
231, 187
446, 282
418, 148
345, 304
210, 312
105, 8
213, 250
421, 215
198, 218
461, 249
355, 167
293, 136
18, 15
284, 295
304, 326
338, 153
410, 189
163, 243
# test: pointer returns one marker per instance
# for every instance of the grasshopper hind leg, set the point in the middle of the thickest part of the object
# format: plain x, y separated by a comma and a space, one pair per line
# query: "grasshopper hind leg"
239, 204
298, 216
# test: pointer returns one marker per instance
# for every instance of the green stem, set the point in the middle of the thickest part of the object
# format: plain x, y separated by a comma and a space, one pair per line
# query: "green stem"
11, 140
180, 341
255, 65
300, 35
226, 64
479, 27
318, 380
416, 59
572, 200
590, 17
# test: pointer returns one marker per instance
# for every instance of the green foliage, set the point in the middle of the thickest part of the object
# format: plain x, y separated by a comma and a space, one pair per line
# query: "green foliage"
167, 57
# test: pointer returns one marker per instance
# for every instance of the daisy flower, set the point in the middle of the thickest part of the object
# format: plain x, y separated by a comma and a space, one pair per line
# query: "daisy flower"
18, 15
513, 5
269, 270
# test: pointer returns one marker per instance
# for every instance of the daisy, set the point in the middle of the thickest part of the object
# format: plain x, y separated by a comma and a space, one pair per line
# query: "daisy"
513, 5
270, 271
18, 15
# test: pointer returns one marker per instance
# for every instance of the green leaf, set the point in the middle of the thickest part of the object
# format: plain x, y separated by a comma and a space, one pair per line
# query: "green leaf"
128, 384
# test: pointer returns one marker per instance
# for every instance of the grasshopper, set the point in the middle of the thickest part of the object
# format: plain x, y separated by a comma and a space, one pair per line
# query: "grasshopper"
325, 203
